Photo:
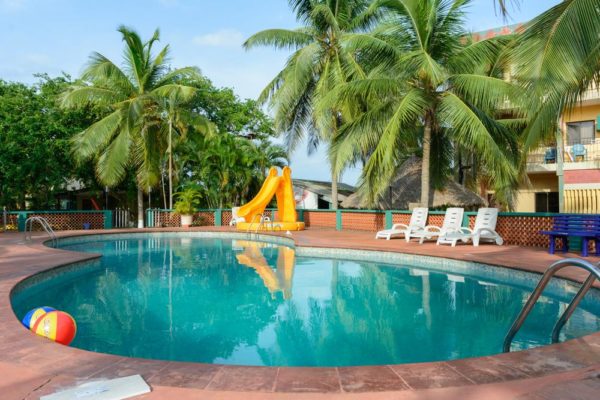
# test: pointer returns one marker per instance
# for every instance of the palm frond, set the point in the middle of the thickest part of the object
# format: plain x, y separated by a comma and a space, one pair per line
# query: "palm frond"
87, 143
279, 38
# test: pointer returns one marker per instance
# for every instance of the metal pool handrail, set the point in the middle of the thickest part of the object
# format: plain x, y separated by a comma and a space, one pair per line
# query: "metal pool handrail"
44, 224
249, 229
594, 271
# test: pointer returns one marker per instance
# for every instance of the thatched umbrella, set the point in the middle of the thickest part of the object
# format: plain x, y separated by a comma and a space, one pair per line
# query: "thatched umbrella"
406, 192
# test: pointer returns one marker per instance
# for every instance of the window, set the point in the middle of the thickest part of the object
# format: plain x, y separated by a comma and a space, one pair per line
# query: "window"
546, 202
580, 132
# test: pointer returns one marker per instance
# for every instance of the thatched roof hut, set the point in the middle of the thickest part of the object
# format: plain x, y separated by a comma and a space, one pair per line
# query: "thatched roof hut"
406, 191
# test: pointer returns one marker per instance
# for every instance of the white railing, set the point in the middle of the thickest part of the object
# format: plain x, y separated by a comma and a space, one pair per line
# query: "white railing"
122, 218
587, 150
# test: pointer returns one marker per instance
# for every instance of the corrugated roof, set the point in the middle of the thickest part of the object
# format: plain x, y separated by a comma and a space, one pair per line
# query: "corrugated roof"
323, 188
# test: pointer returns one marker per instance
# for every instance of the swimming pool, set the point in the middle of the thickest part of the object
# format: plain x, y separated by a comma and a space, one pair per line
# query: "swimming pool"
217, 299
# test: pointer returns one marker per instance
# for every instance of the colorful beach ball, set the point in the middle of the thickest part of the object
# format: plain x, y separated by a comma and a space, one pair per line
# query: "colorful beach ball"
32, 316
56, 325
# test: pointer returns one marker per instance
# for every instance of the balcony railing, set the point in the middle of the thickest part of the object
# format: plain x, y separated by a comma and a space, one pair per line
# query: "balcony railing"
582, 151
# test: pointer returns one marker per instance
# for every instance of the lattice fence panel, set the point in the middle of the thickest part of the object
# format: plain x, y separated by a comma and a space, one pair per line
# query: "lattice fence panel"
204, 218
363, 221
166, 219
472, 220
12, 222
524, 231
313, 219
226, 217
71, 221
435, 220
401, 218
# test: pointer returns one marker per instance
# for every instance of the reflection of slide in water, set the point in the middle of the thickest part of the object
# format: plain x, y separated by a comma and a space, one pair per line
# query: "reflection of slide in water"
275, 281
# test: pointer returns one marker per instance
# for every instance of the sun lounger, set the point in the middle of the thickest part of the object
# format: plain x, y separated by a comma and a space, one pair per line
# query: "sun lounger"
452, 223
235, 218
417, 223
484, 230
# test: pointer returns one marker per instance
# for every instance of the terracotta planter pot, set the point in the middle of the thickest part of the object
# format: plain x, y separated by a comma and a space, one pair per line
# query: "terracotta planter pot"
186, 221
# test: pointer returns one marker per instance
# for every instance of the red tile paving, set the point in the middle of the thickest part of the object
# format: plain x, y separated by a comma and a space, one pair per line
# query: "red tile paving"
31, 366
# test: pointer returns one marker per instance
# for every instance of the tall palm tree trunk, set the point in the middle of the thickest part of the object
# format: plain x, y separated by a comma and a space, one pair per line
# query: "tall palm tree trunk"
163, 187
140, 204
334, 191
170, 165
426, 161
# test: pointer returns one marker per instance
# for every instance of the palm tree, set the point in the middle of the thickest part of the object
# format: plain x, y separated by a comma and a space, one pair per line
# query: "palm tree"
227, 168
132, 135
557, 59
179, 120
425, 82
319, 64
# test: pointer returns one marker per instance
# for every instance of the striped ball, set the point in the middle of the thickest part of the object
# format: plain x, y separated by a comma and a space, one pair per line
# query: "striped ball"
56, 325
32, 316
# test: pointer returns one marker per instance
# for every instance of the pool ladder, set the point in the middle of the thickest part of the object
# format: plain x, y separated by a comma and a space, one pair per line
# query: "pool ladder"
264, 220
44, 224
594, 271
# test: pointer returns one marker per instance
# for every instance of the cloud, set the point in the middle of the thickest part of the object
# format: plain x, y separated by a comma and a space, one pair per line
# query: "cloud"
222, 38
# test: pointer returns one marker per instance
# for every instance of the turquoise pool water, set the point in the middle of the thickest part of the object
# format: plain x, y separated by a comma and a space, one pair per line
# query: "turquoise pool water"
219, 300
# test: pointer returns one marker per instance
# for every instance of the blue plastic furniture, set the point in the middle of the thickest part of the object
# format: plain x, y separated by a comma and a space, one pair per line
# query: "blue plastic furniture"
578, 150
587, 227
550, 156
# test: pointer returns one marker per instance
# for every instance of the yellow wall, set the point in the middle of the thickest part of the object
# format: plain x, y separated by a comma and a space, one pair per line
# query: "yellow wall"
583, 113
525, 199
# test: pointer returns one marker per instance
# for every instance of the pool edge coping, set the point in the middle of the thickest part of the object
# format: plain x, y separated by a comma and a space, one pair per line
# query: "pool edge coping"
505, 360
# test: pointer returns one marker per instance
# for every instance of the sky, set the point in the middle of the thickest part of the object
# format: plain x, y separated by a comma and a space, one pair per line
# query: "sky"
56, 36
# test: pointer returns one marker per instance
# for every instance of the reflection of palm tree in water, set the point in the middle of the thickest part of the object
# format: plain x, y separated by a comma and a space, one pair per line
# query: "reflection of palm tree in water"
279, 280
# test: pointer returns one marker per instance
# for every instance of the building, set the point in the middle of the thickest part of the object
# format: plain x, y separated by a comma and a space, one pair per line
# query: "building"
581, 164
316, 195
580, 154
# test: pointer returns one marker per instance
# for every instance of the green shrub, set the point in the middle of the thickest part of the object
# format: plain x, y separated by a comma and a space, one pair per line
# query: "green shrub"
187, 201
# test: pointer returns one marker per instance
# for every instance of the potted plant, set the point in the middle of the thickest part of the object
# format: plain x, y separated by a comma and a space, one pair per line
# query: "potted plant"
187, 201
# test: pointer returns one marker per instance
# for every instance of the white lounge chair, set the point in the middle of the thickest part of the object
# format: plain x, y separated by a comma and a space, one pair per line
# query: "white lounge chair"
417, 223
484, 230
235, 218
452, 223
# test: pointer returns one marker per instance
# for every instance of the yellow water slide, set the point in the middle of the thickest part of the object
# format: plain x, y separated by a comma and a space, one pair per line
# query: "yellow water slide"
280, 281
274, 186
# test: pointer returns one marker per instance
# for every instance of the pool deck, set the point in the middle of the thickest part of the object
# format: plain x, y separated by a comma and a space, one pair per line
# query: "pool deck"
31, 366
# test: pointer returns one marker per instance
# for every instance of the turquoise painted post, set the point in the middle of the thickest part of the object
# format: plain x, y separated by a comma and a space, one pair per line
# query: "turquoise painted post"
150, 218
108, 219
21, 221
338, 220
300, 215
218, 217
389, 219
465, 221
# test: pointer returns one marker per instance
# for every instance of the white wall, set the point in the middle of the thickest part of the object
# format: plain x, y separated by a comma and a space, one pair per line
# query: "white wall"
305, 199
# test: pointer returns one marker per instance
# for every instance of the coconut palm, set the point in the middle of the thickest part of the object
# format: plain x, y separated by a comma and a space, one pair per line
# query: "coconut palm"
131, 136
557, 59
319, 63
179, 121
425, 82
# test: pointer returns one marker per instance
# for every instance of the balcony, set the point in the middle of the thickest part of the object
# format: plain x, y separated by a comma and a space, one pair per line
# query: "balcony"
583, 155
591, 96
